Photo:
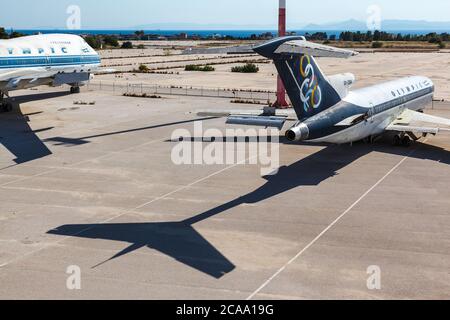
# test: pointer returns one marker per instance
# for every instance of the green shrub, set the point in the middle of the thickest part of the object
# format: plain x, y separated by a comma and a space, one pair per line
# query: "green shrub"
3, 34
143, 68
127, 45
377, 44
94, 41
248, 68
442, 45
192, 67
111, 41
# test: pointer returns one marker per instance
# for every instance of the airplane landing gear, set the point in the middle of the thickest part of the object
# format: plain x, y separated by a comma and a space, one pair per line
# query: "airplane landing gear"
74, 90
371, 139
402, 140
4, 105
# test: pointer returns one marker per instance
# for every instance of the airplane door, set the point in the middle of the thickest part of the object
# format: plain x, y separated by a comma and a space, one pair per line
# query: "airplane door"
371, 112
47, 61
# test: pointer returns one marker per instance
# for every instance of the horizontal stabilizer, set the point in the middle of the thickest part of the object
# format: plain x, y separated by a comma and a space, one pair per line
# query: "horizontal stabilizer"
303, 47
259, 121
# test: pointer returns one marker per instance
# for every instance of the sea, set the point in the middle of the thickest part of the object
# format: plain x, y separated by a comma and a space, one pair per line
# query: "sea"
210, 33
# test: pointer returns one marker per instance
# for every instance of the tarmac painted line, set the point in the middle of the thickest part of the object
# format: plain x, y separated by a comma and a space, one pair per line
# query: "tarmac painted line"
332, 224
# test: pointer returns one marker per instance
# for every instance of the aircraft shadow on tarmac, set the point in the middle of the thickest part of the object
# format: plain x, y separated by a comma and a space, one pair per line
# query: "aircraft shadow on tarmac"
16, 134
180, 240
83, 140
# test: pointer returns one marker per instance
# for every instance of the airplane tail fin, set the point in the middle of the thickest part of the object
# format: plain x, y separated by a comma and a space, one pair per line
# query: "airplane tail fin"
309, 90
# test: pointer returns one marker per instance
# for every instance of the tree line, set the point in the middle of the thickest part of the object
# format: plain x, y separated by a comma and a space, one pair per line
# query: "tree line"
369, 36
9, 35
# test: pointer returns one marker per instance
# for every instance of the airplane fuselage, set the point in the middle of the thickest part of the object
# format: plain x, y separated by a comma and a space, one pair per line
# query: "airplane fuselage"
52, 59
367, 112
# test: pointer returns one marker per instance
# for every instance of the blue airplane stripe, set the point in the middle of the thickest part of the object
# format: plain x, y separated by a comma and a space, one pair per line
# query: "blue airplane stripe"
43, 56
39, 61
47, 65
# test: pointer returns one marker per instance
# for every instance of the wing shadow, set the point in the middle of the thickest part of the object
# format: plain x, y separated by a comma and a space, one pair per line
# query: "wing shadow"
177, 240
84, 140
16, 134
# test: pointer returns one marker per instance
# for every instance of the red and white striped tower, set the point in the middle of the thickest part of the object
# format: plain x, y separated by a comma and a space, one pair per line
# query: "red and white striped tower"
281, 91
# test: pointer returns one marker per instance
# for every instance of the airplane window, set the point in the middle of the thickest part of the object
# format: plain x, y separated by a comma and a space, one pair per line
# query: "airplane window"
407, 88
393, 93
26, 51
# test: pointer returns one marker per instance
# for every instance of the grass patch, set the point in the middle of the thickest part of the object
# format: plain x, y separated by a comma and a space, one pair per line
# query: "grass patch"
377, 45
144, 95
248, 68
192, 67
243, 101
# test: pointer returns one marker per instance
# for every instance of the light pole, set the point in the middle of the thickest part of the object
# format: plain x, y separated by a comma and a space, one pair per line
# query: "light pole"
281, 91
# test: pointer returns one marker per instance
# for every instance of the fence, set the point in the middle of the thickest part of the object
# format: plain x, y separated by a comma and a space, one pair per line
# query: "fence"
141, 88
238, 94
440, 105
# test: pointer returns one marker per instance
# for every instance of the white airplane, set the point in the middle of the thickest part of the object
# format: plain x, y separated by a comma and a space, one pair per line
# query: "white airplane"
52, 59
325, 108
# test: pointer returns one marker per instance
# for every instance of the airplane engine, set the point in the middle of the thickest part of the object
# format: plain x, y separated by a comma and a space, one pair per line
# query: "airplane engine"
299, 132
342, 83
73, 79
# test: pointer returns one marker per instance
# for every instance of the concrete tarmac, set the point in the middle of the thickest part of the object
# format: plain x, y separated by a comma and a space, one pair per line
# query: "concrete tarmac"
94, 186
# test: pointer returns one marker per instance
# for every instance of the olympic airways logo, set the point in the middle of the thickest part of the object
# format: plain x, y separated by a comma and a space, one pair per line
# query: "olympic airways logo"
310, 92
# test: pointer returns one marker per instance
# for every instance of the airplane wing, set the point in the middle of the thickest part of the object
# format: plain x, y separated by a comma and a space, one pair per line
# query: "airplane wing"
21, 73
412, 121
10, 80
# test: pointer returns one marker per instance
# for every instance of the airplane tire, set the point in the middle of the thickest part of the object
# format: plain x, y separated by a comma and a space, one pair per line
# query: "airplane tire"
7, 107
396, 140
74, 90
406, 141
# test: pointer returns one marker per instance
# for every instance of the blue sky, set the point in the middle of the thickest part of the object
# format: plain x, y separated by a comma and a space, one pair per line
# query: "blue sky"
131, 13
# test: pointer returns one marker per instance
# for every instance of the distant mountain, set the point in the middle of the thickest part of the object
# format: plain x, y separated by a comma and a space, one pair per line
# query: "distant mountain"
388, 25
